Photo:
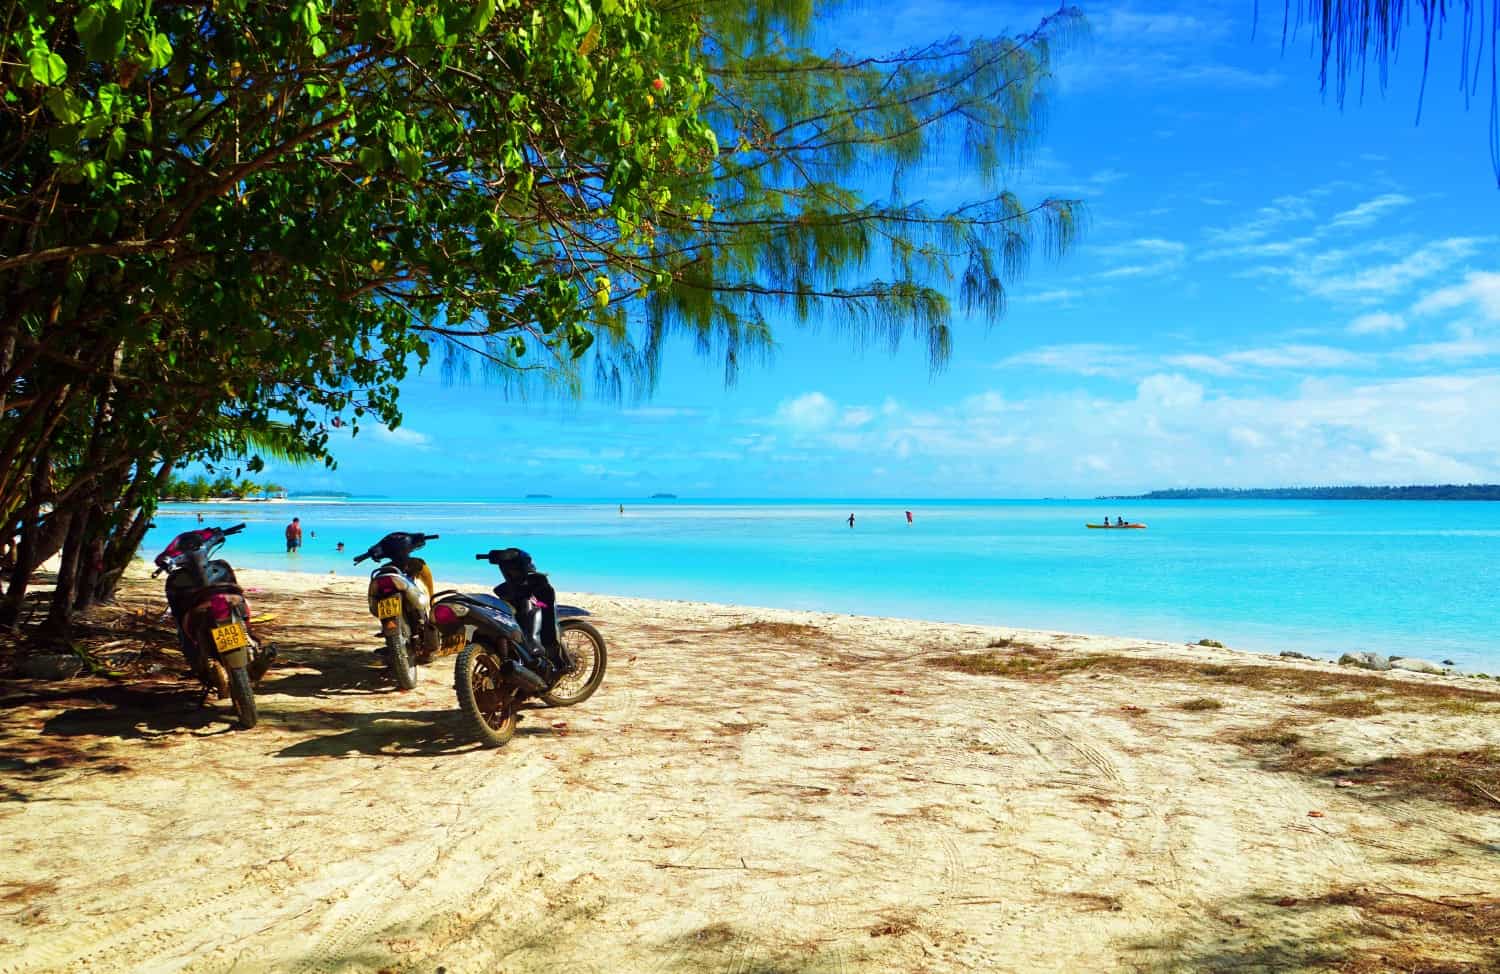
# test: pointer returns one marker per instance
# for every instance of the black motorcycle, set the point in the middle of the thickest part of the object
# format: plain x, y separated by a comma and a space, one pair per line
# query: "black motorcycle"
519, 644
400, 592
213, 618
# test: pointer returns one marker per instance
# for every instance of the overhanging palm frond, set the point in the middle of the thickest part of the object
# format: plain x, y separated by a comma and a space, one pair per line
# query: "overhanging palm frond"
1353, 35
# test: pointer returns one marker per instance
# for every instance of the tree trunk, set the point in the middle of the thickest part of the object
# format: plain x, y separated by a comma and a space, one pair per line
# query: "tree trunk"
140, 502
60, 617
91, 562
27, 552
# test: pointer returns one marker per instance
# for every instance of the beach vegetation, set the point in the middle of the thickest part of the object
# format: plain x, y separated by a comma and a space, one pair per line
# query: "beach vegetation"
1316, 689
220, 488
1200, 704
783, 631
1468, 778
229, 232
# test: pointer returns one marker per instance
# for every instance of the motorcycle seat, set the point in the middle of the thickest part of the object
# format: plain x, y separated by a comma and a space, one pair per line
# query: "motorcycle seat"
490, 602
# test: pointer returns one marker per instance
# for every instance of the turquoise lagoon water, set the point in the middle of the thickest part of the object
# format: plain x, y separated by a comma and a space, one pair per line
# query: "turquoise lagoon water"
1408, 578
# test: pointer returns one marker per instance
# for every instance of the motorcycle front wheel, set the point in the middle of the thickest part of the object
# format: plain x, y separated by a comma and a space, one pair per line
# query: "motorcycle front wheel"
486, 701
243, 696
398, 655
584, 648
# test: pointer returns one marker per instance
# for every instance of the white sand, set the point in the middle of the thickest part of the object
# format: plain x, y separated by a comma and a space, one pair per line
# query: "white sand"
727, 802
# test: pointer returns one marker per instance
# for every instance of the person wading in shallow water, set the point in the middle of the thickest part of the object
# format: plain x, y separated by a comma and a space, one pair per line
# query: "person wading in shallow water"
294, 535
851, 520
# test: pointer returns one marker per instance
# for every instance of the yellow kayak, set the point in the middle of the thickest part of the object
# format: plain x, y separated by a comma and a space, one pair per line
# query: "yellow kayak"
1116, 527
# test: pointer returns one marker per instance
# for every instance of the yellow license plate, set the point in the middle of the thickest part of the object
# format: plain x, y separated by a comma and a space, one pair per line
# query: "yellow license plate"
232, 636
388, 608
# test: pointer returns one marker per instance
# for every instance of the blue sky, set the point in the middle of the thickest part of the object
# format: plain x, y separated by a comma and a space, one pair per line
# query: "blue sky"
1270, 291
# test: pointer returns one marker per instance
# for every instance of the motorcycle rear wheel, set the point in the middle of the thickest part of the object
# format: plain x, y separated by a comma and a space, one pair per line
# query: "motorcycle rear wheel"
485, 699
585, 646
398, 655
243, 696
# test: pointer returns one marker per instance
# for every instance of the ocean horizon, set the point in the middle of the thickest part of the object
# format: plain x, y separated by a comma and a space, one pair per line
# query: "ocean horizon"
1407, 578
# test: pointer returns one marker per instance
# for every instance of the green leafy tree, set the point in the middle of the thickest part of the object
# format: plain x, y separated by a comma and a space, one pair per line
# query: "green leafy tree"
228, 231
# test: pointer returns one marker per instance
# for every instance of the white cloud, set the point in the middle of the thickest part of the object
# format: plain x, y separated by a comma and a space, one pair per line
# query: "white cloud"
1209, 364
1379, 323
1171, 430
1151, 256
1299, 357
1463, 348
1169, 391
1480, 289
1093, 359
989, 401
660, 412
1061, 295
1288, 208
1369, 211
1330, 277
809, 411
1247, 437
1079, 359
402, 436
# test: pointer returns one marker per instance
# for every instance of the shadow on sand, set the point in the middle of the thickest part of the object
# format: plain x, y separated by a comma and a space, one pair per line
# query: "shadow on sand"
395, 733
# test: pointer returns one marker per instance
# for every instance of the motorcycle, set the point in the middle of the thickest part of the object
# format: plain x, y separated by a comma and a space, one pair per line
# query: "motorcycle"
550, 653
213, 619
400, 592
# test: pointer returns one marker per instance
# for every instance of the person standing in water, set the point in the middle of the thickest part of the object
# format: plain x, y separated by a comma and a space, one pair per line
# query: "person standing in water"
908, 517
294, 535
851, 519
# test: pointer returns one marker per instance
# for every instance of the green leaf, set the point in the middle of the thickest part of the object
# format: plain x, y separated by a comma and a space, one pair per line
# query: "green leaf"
101, 28
481, 15
117, 144
161, 52
65, 106
108, 94
306, 14
411, 163
47, 68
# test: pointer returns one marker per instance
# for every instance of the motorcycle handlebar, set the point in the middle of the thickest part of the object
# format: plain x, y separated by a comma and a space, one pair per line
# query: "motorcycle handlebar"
234, 530
360, 558
429, 537
482, 557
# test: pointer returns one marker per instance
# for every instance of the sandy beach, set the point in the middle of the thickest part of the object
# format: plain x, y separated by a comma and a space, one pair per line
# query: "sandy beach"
751, 791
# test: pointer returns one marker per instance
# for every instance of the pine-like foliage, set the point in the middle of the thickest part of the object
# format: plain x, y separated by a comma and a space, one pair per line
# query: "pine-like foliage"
806, 224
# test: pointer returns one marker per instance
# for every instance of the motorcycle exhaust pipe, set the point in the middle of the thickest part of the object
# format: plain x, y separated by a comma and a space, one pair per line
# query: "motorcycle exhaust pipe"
516, 673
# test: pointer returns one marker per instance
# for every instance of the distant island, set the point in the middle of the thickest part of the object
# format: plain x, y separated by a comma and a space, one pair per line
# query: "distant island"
539, 497
664, 497
1433, 492
308, 494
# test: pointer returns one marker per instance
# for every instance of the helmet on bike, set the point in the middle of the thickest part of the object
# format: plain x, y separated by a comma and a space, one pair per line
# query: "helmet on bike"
515, 564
